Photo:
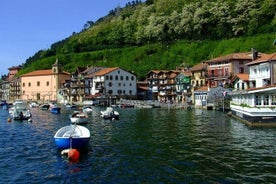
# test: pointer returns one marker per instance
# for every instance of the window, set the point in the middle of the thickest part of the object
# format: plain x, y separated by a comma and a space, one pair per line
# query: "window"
23, 84
130, 91
111, 77
258, 100
106, 77
266, 100
273, 100
47, 83
126, 77
116, 77
241, 70
110, 84
242, 86
37, 83
132, 78
29, 84
122, 78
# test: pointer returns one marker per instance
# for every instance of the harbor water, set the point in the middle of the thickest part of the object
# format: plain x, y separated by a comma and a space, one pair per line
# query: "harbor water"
144, 146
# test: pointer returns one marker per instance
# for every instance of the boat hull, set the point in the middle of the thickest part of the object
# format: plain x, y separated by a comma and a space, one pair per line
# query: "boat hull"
77, 143
79, 120
55, 110
72, 136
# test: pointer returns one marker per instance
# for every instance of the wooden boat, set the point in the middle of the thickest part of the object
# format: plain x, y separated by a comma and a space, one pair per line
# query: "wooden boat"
72, 136
109, 113
79, 117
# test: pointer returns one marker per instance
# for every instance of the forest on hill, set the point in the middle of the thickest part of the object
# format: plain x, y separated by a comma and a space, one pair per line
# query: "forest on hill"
164, 34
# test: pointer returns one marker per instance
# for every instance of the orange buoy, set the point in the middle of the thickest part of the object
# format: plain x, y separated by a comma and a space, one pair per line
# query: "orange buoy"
9, 119
73, 155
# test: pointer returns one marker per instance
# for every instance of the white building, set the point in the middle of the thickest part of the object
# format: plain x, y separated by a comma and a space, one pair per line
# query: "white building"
257, 104
114, 82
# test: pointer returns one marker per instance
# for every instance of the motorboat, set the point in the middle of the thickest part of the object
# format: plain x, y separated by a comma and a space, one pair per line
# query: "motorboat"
110, 113
79, 117
72, 136
20, 111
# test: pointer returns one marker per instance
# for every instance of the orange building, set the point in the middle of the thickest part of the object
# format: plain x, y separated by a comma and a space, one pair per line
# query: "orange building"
43, 85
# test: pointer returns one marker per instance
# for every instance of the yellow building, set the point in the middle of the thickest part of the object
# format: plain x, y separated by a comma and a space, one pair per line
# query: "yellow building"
43, 85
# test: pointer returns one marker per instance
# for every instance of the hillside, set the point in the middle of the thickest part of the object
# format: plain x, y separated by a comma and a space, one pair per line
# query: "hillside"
163, 34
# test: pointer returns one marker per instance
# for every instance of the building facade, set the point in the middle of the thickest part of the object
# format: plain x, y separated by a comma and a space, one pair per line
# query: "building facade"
44, 85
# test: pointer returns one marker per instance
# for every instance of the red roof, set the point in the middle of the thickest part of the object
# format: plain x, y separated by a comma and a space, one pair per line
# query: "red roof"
198, 67
234, 56
264, 58
202, 88
40, 72
103, 71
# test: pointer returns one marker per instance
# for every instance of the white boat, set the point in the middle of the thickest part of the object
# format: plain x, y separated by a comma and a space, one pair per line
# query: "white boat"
87, 109
72, 136
109, 113
79, 117
20, 111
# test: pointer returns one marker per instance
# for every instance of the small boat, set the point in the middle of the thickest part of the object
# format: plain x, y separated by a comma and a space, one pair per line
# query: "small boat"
79, 117
44, 107
72, 136
87, 109
109, 113
71, 106
55, 110
20, 111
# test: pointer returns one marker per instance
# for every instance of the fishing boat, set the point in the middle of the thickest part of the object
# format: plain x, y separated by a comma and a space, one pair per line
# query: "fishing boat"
109, 113
79, 117
72, 136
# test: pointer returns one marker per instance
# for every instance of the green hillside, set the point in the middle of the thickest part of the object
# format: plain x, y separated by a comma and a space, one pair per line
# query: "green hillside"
164, 34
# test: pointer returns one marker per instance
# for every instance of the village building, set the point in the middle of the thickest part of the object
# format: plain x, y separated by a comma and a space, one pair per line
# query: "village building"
240, 81
112, 83
198, 74
162, 84
257, 104
44, 85
183, 87
220, 70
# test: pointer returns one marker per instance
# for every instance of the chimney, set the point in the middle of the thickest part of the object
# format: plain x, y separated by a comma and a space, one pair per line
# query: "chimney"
254, 54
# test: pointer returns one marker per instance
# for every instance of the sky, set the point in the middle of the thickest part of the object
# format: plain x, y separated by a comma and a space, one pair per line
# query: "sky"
28, 26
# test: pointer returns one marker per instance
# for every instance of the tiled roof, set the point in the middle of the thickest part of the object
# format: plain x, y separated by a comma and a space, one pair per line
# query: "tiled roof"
104, 71
40, 72
243, 76
234, 56
264, 58
198, 67
202, 88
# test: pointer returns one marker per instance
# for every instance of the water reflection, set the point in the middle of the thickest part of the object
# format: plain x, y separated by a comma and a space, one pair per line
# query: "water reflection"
144, 146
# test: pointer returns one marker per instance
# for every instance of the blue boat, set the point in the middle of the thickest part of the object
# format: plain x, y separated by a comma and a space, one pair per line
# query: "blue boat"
72, 136
55, 110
